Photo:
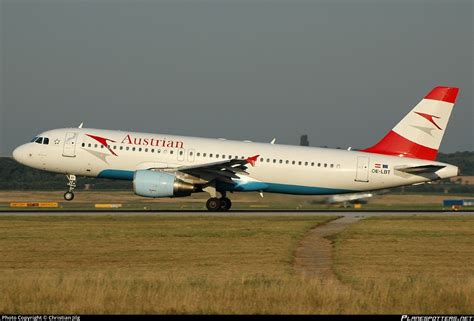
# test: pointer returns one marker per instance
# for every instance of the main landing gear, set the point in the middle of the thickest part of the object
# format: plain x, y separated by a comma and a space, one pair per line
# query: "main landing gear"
69, 195
215, 204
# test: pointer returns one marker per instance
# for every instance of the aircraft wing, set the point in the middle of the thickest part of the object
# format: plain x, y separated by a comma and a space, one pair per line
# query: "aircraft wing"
419, 170
222, 171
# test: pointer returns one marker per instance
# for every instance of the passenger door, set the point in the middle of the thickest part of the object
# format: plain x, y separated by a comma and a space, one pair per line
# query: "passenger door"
69, 149
362, 173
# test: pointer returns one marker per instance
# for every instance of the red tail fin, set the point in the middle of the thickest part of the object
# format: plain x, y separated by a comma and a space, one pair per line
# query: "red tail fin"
419, 134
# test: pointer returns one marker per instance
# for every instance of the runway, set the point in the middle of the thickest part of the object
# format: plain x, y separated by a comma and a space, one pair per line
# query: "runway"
358, 214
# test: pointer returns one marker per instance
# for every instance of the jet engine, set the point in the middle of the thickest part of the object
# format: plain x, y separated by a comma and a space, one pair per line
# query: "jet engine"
156, 184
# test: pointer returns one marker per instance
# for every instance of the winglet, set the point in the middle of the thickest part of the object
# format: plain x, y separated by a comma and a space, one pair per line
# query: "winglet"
252, 160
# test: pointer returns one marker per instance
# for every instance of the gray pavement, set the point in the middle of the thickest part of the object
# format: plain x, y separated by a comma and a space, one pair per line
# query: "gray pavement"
360, 214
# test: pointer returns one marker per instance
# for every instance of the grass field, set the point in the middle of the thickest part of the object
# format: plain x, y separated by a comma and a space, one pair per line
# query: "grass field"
172, 264
418, 264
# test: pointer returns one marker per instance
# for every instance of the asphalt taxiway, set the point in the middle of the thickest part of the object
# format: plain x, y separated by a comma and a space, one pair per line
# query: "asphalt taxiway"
235, 213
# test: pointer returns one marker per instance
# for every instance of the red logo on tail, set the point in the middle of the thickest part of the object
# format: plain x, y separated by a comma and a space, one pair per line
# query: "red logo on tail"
429, 118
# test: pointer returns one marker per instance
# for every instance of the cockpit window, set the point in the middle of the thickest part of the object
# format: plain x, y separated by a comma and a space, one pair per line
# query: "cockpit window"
40, 140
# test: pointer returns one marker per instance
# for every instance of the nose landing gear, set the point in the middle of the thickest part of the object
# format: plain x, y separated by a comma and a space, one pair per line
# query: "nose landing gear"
69, 195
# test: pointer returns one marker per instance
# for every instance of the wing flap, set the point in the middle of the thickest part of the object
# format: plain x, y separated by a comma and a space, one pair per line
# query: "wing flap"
223, 171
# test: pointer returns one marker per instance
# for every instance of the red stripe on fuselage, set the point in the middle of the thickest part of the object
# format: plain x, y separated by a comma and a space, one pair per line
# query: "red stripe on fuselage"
396, 145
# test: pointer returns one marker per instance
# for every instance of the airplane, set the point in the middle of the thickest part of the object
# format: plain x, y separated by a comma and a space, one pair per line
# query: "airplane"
176, 166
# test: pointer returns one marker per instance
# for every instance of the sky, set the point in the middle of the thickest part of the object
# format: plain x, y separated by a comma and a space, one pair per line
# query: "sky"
342, 72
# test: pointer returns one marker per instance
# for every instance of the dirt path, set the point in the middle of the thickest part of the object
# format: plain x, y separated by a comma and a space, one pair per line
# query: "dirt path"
313, 257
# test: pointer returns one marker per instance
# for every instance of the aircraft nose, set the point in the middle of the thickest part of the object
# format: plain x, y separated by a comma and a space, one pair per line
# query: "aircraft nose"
20, 154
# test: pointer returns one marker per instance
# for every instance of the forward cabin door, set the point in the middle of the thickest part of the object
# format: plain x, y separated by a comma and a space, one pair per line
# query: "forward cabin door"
362, 174
69, 149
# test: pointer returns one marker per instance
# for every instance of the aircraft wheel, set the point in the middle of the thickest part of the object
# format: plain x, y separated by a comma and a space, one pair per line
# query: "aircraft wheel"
213, 204
226, 204
69, 196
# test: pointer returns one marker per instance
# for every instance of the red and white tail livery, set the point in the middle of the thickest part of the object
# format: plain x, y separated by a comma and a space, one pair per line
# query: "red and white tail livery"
419, 134
175, 166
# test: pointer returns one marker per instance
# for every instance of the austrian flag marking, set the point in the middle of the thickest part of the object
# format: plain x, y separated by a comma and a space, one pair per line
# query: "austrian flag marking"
380, 169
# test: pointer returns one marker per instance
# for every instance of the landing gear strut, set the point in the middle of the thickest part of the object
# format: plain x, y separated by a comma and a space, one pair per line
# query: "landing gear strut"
69, 195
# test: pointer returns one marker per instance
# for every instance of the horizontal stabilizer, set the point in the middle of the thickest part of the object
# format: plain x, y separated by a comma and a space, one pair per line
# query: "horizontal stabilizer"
418, 170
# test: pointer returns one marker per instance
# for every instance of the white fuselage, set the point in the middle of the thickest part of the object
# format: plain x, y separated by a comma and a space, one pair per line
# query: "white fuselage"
279, 168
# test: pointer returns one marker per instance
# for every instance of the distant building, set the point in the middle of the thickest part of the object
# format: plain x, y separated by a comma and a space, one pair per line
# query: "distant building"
304, 140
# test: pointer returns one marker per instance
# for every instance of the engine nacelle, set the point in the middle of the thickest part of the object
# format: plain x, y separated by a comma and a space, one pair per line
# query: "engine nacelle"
160, 184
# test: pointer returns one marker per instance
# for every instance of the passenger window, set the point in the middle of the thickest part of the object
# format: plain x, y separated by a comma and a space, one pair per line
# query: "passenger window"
299, 163
198, 154
121, 147
83, 145
287, 162
101, 146
223, 156
325, 165
89, 145
210, 155
281, 161
274, 160
171, 152
133, 149
95, 145
127, 148
319, 164
46, 141
261, 159
305, 163
293, 162
158, 151
332, 165
204, 155
312, 164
